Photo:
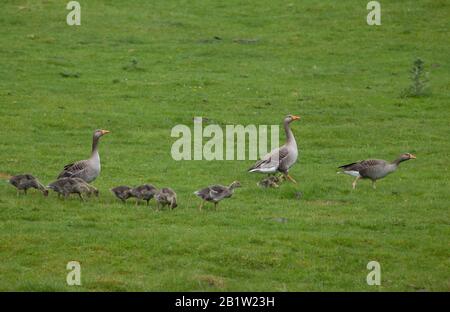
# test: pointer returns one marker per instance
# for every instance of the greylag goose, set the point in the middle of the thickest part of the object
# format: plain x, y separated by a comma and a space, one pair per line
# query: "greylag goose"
216, 193
373, 169
282, 158
271, 181
26, 181
122, 192
144, 192
166, 196
87, 169
90, 190
66, 186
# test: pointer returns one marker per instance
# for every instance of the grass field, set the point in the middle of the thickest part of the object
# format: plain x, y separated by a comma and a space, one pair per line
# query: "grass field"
317, 58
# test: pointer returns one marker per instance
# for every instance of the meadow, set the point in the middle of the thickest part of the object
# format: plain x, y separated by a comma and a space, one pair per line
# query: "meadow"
138, 68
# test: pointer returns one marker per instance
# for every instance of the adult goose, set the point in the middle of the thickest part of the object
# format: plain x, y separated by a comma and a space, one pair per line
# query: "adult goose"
282, 158
216, 193
27, 181
373, 169
87, 169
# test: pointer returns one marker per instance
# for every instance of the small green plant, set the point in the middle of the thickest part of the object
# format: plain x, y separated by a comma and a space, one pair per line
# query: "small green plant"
132, 65
69, 74
419, 80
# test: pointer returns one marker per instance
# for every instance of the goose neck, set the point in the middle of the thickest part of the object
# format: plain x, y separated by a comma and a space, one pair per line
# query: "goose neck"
289, 135
95, 142
398, 161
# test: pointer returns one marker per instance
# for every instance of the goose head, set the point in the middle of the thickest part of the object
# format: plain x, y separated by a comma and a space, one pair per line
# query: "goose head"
99, 133
235, 184
404, 157
291, 118
407, 156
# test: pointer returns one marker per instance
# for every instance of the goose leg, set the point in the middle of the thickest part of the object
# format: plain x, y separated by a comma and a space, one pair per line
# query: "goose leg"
201, 205
81, 197
291, 179
354, 182
215, 205
374, 185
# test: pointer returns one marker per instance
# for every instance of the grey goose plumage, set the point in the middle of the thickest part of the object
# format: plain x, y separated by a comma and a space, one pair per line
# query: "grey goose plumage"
166, 196
23, 182
122, 192
87, 169
280, 159
215, 193
144, 192
373, 169
66, 186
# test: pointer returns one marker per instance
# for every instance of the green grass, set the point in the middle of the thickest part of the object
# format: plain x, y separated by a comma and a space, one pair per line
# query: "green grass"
318, 59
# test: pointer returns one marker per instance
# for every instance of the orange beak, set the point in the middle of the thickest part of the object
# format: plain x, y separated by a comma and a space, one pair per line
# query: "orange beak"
105, 132
411, 156
295, 117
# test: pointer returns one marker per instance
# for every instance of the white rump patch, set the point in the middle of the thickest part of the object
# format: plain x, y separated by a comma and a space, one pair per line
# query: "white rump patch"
352, 173
264, 170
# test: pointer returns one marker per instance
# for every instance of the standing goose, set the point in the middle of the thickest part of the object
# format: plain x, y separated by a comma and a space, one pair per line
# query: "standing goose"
373, 169
166, 196
88, 169
26, 181
282, 158
216, 193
